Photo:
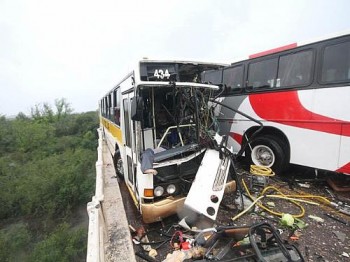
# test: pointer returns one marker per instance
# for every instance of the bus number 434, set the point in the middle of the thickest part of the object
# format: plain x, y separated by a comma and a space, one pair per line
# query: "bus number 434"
161, 74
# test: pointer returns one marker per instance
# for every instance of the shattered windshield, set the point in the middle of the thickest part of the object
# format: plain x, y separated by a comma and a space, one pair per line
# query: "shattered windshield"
179, 115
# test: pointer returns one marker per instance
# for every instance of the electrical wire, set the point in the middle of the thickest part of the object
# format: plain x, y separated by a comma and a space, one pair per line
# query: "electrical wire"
179, 233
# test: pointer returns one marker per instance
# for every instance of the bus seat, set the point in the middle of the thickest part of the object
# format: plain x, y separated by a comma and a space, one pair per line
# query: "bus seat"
160, 156
147, 159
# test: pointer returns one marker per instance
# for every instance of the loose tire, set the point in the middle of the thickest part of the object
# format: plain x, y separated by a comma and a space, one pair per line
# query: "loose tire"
268, 151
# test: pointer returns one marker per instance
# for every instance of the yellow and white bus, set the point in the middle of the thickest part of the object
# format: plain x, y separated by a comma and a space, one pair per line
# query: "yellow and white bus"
162, 133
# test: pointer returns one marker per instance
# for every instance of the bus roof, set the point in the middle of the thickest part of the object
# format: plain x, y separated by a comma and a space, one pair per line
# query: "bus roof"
146, 60
293, 45
204, 65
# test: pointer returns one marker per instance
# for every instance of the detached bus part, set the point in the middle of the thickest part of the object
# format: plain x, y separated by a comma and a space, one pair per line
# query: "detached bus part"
160, 129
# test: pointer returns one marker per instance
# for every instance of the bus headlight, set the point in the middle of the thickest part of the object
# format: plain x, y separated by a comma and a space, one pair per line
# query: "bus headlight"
158, 191
171, 189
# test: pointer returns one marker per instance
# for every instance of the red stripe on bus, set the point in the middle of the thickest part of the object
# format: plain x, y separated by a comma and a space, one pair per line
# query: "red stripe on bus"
286, 108
237, 137
346, 129
344, 169
274, 50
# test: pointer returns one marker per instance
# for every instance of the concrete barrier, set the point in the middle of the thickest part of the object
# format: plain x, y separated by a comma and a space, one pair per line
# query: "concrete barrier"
108, 236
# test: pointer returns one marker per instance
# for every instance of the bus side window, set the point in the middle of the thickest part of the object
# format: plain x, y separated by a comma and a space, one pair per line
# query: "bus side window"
262, 74
295, 69
213, 77
336, 63
117, 116
233, 79
116, 106
110, 107
106, 107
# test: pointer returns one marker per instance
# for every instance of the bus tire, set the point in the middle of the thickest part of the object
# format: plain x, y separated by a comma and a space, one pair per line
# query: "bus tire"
118, 164
269, 151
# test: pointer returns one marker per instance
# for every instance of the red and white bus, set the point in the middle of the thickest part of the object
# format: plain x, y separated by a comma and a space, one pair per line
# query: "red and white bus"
301, 94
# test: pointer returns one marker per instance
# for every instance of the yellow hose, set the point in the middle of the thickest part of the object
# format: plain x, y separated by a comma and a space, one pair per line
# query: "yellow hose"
301, 214
265, 171
320, 198
246, 210
261, 170
295, 199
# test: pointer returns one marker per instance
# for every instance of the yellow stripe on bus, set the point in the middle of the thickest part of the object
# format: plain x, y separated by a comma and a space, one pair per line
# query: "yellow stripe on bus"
112, 128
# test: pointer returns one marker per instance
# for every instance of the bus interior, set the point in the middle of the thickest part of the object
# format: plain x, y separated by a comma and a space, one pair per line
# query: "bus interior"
176, 123
180, 141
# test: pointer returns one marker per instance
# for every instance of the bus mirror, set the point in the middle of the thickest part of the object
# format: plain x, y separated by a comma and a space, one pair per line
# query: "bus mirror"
136, 108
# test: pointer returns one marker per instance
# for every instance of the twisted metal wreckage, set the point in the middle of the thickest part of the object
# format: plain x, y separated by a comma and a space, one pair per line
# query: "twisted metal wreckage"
194, 110
193, 125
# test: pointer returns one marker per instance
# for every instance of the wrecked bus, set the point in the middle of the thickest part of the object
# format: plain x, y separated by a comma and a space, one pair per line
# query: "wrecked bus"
162, 133
301, 94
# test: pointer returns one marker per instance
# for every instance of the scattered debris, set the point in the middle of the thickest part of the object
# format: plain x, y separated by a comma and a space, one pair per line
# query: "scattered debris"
181, 255
304, 185
220, 243
319, 257
337, 219
316, 218
344, 208
287, 220
345, 254
340, 235
338, 186
260, 241
242, 201
270, 204
307, 255
300, 223
330, 193
145, 256
153, 253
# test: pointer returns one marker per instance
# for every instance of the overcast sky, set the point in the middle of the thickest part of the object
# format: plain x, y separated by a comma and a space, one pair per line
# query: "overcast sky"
79, 49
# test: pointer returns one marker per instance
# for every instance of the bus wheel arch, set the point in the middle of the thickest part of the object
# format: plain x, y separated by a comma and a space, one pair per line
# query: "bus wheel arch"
269, 149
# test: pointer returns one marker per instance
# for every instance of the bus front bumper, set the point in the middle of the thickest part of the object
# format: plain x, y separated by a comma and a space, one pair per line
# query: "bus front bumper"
154, 212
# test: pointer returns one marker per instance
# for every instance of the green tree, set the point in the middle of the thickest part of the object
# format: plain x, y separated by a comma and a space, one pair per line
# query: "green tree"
63, 108
42, 113
15, 242
6, 136
47, 171
63, 245
32, 135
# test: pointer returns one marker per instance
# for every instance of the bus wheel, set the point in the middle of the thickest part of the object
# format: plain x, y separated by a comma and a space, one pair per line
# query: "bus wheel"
118, 165
268, 151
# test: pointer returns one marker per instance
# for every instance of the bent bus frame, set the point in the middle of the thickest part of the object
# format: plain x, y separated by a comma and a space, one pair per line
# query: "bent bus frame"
158, 126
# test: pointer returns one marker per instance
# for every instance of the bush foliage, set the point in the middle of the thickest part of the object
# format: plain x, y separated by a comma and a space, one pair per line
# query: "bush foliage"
47, 171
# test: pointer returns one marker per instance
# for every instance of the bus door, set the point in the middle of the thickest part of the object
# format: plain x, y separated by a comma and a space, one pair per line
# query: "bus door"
129, 142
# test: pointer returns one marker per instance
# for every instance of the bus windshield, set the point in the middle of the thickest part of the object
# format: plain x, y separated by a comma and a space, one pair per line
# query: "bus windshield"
178, 114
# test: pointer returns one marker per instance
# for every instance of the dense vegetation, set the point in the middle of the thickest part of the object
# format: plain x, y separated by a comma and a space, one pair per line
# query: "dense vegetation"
47, 172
